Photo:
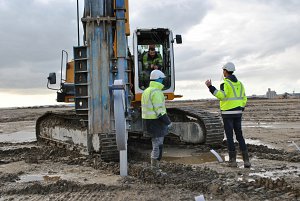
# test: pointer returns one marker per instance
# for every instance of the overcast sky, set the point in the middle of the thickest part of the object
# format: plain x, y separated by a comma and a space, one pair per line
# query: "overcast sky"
261, 37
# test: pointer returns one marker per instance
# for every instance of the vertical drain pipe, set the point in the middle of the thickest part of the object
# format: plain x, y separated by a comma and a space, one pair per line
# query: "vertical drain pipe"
122, 68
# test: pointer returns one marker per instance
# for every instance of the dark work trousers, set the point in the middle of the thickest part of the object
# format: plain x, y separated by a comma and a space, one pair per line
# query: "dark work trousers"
231, 124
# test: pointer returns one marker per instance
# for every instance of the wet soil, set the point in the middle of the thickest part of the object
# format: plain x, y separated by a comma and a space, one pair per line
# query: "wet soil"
32, 171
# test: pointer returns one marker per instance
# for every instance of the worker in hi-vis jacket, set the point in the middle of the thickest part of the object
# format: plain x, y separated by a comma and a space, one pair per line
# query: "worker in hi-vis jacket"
154, 113
232, 103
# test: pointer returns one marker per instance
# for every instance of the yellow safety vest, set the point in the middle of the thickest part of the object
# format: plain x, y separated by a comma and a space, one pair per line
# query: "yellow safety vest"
153, 101
233, 96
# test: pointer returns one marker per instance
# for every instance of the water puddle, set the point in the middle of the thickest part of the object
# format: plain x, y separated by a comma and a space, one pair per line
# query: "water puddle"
18, 137
243, 179
273, 125
258, 142
11, 148
200, 158
38, 177
275, 174
191, 160
189, 156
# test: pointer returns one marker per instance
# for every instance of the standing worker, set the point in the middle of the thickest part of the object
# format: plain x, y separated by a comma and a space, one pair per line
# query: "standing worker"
232, 103
155, 114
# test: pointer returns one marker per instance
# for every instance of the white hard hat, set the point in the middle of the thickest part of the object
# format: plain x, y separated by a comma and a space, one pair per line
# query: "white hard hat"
229, 67
155, 74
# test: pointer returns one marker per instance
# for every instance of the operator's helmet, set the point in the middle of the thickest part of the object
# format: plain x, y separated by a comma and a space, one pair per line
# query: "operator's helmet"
155, 74
229, 67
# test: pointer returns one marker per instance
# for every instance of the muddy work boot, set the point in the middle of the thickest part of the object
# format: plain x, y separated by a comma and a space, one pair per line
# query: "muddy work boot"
154, 164
232, 159
155, 168
247, 163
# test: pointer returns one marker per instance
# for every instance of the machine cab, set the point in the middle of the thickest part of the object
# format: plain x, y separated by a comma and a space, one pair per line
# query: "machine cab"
153, 49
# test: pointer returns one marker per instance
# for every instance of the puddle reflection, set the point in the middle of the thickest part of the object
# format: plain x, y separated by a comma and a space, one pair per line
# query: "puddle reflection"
258, 142
251, 124
275, 174
190, 160
38, 177
18, 137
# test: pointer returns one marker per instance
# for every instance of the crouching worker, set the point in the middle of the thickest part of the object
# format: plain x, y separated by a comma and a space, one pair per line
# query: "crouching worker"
154, 113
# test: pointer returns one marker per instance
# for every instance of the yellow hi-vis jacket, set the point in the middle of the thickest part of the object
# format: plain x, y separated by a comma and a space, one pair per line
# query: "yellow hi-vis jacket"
232, 96
153, 101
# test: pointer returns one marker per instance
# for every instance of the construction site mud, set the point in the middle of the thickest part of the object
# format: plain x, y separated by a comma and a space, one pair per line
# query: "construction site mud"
33, 171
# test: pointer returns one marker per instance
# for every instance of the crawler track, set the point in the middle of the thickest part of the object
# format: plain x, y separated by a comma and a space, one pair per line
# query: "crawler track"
69, 121
210, 123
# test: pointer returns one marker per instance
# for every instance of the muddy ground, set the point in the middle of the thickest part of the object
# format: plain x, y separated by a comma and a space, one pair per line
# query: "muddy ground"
31, 171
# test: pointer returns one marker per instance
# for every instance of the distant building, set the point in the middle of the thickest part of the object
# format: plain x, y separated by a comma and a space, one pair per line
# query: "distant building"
271, 94
296, 95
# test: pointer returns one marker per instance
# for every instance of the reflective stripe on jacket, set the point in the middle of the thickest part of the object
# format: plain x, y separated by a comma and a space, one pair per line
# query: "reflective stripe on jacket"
153, 101
232, 96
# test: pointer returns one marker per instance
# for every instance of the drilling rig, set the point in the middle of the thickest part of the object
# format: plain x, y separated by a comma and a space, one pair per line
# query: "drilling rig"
105, 81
